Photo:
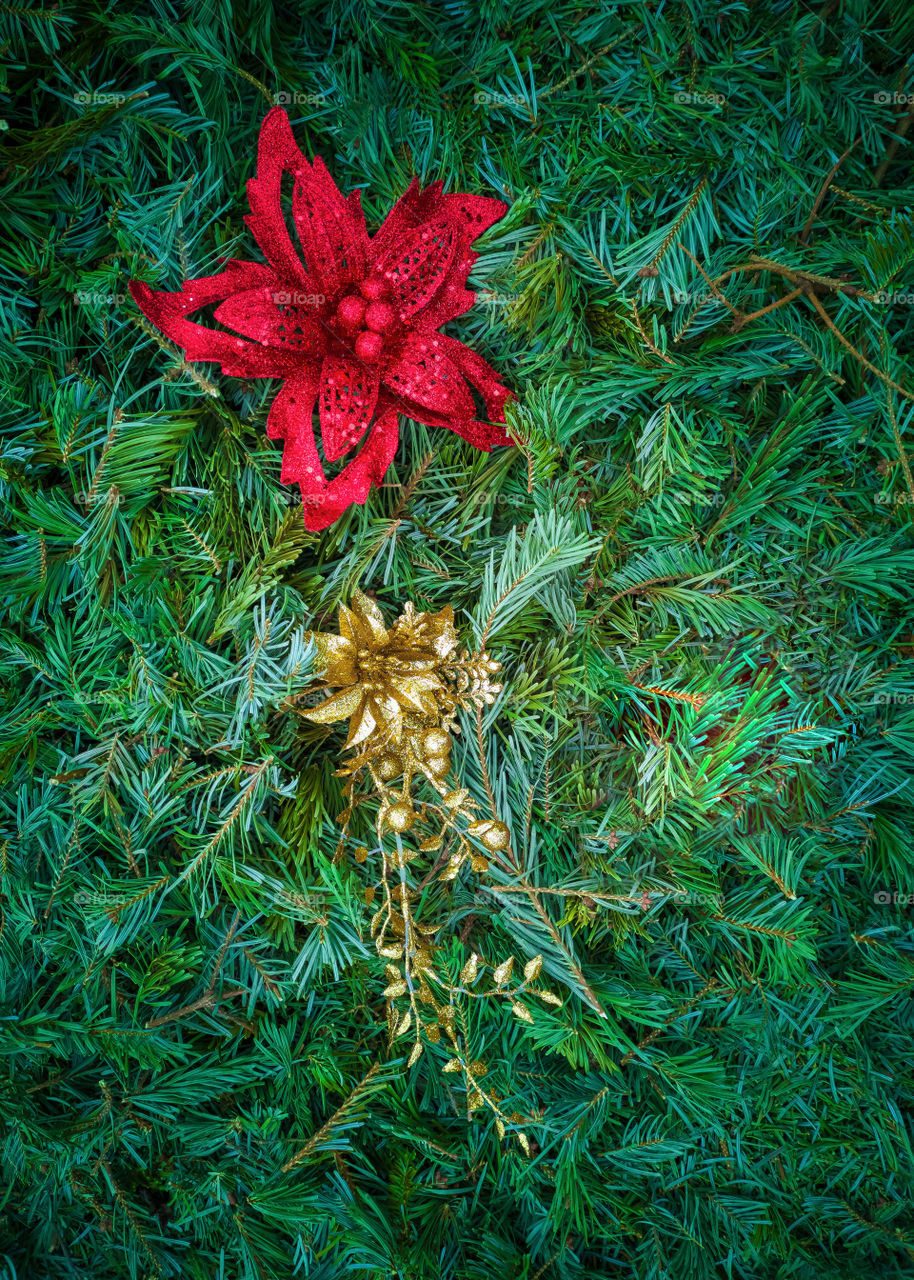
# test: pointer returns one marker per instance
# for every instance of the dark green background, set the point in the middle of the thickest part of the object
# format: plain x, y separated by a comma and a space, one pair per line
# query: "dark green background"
704, 504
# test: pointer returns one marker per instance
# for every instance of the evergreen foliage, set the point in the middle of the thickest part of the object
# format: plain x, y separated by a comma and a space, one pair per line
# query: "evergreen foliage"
696, 570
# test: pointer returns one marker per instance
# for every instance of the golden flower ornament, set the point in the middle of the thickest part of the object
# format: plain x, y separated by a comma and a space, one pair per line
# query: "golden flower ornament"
399, 687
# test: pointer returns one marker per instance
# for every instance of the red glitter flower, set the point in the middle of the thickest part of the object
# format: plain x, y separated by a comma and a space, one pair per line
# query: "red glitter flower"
352, 330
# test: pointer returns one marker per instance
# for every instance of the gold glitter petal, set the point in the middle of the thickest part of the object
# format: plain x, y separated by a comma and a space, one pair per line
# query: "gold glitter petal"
349, 627
338, 707
371, 616
442, 631
362, 726
389, 715
412, 691
336, 658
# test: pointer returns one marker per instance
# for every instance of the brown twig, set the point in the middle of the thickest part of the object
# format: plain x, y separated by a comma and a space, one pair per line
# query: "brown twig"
208, 1001
483, 764
221, 957
410, 486
772, 306
585, 66
902, 456
721, 297
328, 1124
822, 190
647, 341
884, 377
684, 1008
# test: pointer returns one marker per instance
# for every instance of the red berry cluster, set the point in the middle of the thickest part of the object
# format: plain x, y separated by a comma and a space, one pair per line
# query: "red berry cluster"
369, 317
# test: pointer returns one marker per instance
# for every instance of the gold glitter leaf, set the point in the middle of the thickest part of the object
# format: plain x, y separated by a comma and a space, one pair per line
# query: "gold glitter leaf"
370, 615
337, 707
470, 970
454, 799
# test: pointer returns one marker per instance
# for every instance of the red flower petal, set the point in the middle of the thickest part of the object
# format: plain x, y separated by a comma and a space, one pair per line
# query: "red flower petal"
467, 216
271, 316
451, 300
354, 483
331, 228
472, 214
419, 264
420, 378
277, 153
291, 420
472, 367
349, 393
291, 416
480, 374
241, 359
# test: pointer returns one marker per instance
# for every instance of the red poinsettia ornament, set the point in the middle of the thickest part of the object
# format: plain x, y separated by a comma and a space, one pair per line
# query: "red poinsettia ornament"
352, 330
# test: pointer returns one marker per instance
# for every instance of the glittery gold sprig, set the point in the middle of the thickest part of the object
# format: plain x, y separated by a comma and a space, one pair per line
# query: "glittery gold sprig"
401, 687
